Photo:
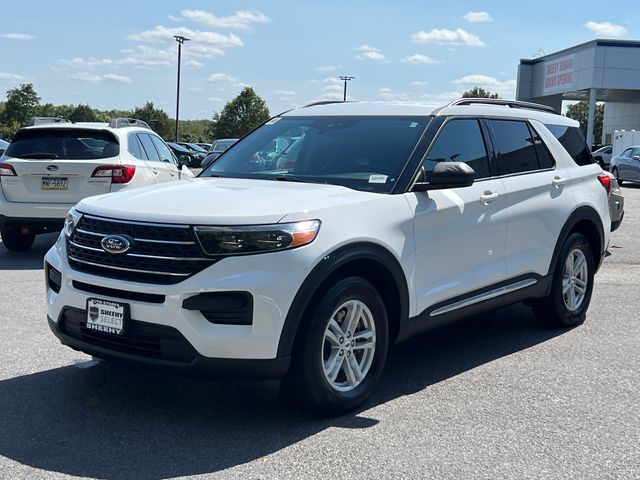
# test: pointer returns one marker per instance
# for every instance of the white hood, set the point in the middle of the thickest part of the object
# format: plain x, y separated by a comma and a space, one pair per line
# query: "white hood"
220, 201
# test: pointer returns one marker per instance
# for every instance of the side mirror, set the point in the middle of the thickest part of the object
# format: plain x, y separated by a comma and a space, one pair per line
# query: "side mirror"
183, 160
447, 175
636, 157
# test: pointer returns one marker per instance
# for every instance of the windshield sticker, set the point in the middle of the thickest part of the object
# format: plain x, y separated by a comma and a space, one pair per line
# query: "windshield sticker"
273, 120
378, 178
413, 124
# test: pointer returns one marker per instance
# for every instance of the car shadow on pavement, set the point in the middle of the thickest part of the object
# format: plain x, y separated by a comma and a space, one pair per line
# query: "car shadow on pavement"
32, 259
113, 421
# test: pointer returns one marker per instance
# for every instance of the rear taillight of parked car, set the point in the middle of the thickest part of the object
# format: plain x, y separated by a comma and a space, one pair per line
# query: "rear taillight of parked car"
118, 173
7, 170
605, 181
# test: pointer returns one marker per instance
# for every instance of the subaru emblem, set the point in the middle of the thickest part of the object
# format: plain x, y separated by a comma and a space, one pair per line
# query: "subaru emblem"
52, 168
115, 244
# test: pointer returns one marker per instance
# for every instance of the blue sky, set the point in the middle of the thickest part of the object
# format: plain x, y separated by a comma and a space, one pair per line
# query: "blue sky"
120, 54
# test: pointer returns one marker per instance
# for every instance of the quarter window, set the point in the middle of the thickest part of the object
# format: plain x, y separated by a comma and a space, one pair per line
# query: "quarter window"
573, 142
460, 141
163, 150
135, 148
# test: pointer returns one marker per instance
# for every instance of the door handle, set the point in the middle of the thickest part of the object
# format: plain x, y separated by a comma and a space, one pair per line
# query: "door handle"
155, 172
558, 181
488, 197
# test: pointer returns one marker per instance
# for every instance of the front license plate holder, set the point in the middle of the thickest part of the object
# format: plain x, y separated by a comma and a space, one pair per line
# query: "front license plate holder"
107, 316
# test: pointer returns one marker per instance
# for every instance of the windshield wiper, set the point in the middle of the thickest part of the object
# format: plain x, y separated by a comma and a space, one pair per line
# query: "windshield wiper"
294, 178
39, 156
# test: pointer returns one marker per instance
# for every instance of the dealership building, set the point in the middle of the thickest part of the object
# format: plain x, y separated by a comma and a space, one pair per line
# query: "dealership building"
597, 71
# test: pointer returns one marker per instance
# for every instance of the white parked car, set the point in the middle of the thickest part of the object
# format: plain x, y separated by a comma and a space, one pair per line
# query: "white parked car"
603, 156
387, 221
51, 166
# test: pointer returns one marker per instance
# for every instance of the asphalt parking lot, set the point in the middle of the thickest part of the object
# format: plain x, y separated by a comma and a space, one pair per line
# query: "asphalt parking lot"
497, 396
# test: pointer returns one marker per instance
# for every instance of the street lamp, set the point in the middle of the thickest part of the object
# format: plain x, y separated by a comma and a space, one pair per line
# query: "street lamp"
345, 79
180, 39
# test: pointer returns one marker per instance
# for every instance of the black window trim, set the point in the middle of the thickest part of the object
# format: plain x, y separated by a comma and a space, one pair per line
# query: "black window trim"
173, 162
141, 147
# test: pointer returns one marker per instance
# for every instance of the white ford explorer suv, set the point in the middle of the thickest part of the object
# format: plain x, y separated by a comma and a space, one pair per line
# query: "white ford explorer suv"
51, 166
378, 222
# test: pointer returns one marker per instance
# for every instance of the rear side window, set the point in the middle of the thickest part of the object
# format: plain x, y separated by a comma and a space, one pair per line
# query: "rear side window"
515, 146
63, 144
573, 142
460, 141
147, 144
135, 148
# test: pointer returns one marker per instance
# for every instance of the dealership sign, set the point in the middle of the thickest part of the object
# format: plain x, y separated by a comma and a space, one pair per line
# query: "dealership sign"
559, 74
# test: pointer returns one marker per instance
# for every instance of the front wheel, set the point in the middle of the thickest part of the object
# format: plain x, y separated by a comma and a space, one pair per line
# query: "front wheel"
14, 240
567, 303
342, 352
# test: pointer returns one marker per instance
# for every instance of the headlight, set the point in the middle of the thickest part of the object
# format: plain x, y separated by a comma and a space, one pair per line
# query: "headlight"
73, 217
256, 238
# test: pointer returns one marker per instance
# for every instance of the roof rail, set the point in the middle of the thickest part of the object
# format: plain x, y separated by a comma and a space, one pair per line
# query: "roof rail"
128, 122
505, 103
323, 102
43, 120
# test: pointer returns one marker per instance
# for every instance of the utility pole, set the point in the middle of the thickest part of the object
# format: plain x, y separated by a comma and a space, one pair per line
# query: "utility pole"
180, 39
345, 79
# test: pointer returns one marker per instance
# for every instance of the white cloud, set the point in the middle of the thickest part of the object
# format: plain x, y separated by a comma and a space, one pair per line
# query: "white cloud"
328, 68
85, 77
193, 63
388, 95
240, 20
84, 63
11, 77
507, 87
441, 98
475, 17
370, 53
215, 99
606, 29
221, 77
447, 37
195, 89
285, 93
112, 77
333, 88
160, 33
419, 58
17, 36
419, 83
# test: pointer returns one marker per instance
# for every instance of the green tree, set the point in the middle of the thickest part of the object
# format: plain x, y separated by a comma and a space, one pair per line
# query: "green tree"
157, 119
241, 114
479, 92
84, 113
22, 103
580, 112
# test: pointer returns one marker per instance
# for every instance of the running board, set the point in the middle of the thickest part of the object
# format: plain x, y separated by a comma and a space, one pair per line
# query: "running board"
484, 296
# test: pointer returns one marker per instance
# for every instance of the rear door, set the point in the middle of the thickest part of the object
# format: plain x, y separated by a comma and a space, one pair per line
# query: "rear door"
158, 163
55, 165
538, 202
166, 158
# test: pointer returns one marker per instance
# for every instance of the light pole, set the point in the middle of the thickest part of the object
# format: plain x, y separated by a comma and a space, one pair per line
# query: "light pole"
345, 79
180, 39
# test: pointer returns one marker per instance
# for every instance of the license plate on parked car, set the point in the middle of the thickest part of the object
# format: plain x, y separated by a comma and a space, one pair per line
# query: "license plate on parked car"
106, 316
54, 183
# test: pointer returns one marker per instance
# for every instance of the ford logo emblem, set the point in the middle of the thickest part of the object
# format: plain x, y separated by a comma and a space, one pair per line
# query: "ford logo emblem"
52, 168
115, 244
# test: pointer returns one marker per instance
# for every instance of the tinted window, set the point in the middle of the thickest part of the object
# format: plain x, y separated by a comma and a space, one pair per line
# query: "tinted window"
63, 143
514, 145
460, 141
362, 152
147, 144
163, 150
545, 160
135, 148
627, 153
573, 142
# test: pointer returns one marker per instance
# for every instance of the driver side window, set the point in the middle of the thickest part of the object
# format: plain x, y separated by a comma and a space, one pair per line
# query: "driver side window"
460, 140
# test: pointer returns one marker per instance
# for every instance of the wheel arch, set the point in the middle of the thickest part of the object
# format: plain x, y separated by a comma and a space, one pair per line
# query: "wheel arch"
587, 221
363, 259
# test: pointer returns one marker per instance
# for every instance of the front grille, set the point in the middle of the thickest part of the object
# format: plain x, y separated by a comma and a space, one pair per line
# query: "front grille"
117, 293
159, 253
140, 338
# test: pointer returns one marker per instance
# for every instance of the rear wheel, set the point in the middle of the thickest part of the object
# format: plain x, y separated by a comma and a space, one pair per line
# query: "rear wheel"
14, 240
567, 303
341, 354
615, 174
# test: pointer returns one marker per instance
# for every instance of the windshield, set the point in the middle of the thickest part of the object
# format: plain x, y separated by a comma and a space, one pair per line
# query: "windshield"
63, 144
179, 148
364, 153
222, 145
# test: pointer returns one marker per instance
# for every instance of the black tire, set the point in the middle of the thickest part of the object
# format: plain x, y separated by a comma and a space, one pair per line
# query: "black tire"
553, 309
307, 379
615, 174
15, 241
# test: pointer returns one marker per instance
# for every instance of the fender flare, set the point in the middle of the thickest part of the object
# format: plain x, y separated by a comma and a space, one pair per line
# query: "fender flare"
330, 264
